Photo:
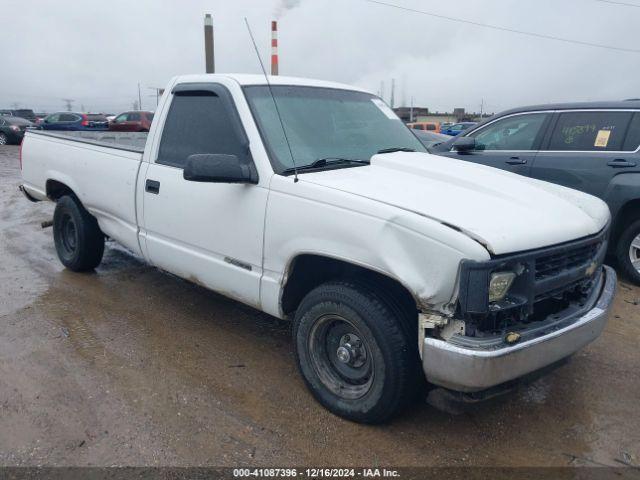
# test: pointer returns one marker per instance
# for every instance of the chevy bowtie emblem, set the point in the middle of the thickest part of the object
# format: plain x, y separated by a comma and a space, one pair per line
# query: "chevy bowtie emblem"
591, 269
512, 337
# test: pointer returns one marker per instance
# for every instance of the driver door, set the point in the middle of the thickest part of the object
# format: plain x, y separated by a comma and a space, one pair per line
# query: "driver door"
208, 233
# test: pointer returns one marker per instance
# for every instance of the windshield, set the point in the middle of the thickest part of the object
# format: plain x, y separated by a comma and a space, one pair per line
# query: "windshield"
325, 123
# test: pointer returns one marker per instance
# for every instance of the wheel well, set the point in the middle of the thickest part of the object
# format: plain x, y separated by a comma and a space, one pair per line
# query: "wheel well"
307, 271
56, 189
629, 212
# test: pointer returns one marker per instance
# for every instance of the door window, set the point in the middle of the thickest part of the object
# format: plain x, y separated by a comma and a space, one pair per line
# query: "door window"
590, 131
632, 141
68, 117
134, 117
197, 122
519, 132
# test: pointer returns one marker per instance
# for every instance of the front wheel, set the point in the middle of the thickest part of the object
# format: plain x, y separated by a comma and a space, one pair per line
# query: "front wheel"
628, 252
354, 352
3, 139
77, 236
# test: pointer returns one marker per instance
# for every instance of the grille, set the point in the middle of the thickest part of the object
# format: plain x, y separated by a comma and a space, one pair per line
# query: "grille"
550, 265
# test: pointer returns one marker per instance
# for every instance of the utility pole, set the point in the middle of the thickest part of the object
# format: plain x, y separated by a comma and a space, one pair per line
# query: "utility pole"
209, 60
481, 108
69, 103
411, 111
382, 89
159, 91
139, 97
393, 92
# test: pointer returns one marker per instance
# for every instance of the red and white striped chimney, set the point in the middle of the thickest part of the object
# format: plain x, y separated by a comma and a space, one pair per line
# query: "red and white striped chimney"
274, 47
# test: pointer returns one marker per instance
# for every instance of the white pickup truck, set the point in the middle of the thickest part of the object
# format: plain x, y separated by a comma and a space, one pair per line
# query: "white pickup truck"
312, 201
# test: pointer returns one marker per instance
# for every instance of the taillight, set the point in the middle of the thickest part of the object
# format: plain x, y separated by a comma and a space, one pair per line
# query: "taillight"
85, 121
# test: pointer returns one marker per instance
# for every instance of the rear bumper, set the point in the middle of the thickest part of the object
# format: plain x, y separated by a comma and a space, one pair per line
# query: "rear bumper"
470, 370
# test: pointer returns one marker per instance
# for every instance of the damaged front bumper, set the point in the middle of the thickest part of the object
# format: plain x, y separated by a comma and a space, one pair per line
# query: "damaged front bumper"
468, 369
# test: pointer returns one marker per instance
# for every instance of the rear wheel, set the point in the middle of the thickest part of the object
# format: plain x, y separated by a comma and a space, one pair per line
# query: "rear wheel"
353, 352
77, 236
3, 139
628, 252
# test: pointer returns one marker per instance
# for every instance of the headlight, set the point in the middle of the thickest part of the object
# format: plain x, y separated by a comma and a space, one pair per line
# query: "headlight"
499, 285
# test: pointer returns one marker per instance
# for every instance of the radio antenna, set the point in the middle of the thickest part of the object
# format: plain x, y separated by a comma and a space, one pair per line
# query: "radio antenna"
275, 103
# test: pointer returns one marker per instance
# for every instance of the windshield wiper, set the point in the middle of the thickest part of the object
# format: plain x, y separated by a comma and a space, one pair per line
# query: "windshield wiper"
396, 149
327, 162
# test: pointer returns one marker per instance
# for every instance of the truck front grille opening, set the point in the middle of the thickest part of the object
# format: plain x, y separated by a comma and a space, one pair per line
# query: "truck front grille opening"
555, 263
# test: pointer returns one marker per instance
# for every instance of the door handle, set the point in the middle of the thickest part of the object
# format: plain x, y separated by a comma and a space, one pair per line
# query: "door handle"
516, 161
152, 186
621, 163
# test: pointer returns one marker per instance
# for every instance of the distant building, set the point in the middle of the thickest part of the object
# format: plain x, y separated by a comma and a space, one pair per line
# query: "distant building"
405, 113
422, 114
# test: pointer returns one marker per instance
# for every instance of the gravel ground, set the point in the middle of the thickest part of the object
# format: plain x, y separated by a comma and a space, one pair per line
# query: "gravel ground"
132, 366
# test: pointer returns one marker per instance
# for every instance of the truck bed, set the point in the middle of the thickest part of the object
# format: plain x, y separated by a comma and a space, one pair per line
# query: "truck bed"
100, 168
131, 141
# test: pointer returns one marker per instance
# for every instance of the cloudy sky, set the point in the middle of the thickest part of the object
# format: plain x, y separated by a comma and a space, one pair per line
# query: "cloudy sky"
96, 52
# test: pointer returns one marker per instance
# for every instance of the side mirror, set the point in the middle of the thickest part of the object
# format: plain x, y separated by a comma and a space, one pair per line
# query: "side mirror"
217, 168
464, 144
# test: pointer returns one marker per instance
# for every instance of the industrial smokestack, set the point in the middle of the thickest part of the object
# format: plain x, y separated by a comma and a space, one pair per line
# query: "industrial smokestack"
274, 48
208, 44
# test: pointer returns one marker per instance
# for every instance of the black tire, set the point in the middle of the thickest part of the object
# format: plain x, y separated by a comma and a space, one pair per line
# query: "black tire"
4, 140
378, 379
624, 254
77, 236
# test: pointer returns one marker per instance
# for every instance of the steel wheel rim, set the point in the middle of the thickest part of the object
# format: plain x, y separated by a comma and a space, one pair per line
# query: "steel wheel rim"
341, 357
634, 253
69, 234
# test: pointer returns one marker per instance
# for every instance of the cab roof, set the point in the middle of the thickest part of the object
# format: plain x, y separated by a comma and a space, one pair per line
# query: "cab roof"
246, 79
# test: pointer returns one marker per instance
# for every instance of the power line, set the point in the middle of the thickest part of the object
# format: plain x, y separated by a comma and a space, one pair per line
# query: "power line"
505, 29
624, 4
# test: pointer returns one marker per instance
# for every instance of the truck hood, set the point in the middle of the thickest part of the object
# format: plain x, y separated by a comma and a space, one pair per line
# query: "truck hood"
503, 211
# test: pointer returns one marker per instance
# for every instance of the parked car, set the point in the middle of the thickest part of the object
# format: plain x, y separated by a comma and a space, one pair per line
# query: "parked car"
12, 129
430, 139
592, 147
98, 120
388, 260
24, 113
457, 128
425, 126
138, 121
74, 121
